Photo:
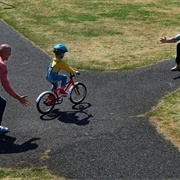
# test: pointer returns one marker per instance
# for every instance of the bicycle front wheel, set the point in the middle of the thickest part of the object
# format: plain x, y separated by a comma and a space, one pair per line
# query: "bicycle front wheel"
77, 93
45, 102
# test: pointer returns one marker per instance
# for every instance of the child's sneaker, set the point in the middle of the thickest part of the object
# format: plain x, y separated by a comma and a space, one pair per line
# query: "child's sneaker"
59, 101
63, 92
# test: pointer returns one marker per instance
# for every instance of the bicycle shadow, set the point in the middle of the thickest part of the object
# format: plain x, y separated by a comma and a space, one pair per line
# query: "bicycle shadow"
78, 116
8, 145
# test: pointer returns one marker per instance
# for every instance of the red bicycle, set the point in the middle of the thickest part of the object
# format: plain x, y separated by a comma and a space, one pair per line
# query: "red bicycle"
76, 92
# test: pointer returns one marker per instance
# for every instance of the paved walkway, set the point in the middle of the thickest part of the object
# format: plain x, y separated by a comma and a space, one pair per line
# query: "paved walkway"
103, 138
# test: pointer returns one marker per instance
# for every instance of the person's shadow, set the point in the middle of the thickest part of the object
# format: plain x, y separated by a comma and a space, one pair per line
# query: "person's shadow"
77, 116
8, 145
178, 77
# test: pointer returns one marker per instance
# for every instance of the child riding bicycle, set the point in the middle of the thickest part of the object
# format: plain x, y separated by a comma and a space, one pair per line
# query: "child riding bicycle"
52, 74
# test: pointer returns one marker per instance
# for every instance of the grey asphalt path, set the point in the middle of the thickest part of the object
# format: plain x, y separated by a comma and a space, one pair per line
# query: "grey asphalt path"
103, 138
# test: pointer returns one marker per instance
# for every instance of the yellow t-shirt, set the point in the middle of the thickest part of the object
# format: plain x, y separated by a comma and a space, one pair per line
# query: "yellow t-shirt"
59, 64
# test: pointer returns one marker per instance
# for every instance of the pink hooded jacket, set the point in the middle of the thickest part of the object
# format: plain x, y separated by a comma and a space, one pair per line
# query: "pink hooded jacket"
4, 79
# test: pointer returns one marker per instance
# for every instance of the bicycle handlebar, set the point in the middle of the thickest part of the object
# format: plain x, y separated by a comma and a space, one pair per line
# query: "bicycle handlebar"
73, 75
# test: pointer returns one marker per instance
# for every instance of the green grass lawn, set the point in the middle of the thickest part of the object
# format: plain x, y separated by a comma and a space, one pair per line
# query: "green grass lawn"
27, 174
105, 35
100, 35
166, 117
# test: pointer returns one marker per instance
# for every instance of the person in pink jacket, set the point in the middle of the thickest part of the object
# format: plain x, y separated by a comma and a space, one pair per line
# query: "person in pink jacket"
5, 52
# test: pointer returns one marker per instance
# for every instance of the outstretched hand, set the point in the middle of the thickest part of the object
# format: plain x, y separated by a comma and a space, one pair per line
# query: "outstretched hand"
163, 40
24, 101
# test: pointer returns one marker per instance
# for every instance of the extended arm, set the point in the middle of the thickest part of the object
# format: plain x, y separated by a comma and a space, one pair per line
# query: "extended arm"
165, 40
67, 68
7, 87
170, 40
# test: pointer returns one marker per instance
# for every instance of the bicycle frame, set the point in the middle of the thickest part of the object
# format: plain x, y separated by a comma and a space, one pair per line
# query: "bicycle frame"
69, 84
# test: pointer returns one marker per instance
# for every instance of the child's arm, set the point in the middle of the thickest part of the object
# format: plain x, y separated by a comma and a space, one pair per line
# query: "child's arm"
67, 68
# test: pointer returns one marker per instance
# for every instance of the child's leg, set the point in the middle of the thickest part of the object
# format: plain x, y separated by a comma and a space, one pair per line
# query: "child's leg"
56, 79
54, 86
63, 79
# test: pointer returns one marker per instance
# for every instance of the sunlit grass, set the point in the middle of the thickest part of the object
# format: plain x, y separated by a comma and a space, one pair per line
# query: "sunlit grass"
166, 117
114, 34
33, 173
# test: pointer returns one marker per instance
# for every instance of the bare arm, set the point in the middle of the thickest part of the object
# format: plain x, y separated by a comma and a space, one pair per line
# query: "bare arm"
7, 87
165, 40
11, 92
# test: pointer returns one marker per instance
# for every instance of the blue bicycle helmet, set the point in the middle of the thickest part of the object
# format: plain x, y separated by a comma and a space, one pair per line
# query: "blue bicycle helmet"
59, 48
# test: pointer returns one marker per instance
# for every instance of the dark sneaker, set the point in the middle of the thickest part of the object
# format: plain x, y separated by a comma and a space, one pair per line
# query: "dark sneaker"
3, 129
176, 68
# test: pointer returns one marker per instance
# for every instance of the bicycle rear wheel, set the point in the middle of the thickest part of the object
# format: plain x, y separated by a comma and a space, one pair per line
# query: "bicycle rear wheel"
45, 102
77, 93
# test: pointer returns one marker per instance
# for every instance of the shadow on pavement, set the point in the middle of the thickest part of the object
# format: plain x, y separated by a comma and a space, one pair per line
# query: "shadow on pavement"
77, 116
178, 77
7, 145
